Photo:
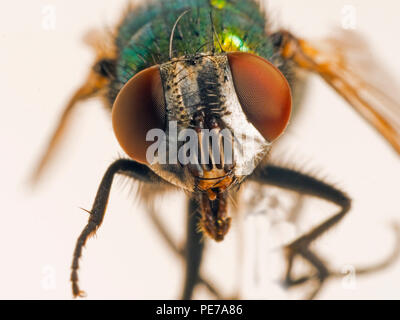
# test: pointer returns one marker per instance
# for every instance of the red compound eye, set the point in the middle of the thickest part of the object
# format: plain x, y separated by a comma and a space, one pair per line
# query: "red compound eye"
138, 108
263, 92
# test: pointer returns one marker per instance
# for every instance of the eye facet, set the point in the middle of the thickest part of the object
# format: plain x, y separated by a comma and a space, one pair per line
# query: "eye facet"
138, 108
263, 93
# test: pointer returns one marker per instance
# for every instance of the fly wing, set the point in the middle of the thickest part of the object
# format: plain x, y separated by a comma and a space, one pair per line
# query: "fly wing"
91, 87
345, 62
84, 92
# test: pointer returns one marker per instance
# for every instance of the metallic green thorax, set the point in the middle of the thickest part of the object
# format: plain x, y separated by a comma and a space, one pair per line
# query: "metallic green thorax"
143, 36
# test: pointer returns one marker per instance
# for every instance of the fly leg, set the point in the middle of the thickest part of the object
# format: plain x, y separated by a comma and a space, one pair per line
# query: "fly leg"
307, 185
296, 210
191, 252
165, 235
129, 168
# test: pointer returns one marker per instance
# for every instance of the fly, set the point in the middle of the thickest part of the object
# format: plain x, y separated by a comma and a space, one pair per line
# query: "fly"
199, 91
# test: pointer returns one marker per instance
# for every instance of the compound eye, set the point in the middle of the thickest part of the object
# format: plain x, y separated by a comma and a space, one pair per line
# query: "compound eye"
263, 93
138, 108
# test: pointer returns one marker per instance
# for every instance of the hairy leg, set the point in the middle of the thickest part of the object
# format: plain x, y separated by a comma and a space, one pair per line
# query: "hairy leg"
127, 167
307, 185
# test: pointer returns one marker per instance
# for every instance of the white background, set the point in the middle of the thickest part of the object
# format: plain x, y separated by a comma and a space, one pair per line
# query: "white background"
38, 228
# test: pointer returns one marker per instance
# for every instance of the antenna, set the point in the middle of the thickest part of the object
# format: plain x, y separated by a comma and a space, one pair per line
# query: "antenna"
173, 32
215, 32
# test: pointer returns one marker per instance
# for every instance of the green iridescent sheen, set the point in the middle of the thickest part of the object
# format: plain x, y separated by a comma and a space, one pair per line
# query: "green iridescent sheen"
143, 36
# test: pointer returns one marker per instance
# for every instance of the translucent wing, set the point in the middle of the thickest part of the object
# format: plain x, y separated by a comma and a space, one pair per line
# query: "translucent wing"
338, 61
92, 85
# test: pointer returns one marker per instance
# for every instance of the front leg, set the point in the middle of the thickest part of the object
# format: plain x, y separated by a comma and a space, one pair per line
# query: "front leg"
130, 168
307, 185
